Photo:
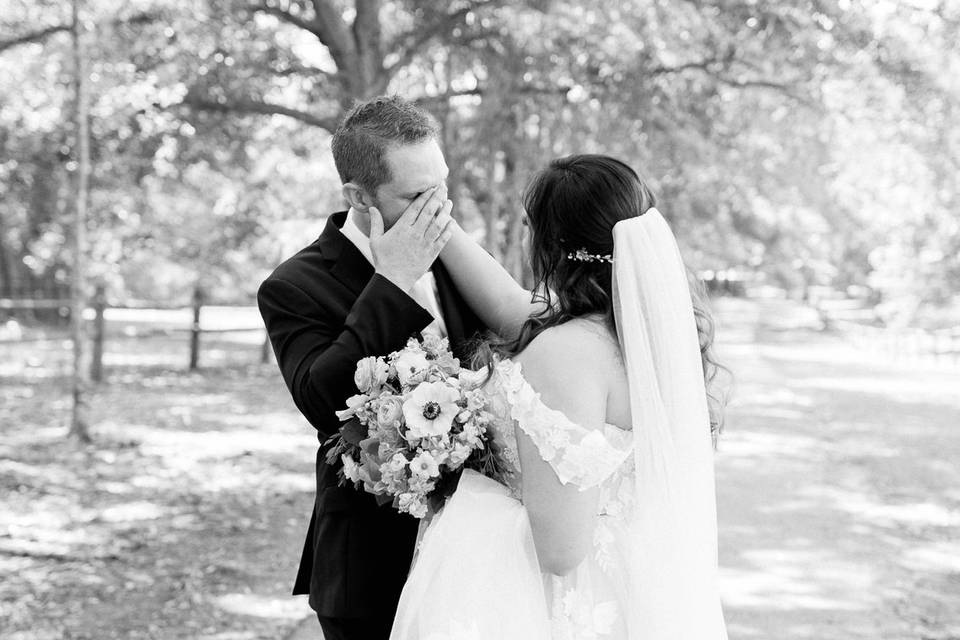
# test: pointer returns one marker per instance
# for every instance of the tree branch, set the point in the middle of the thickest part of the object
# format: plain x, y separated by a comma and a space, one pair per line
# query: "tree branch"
713, 67
34, 36
42, 34
335, 35
419, 36
702, 65
248, 106
286, 16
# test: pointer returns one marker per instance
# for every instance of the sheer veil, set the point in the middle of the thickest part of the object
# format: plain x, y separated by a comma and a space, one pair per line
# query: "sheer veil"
673, 554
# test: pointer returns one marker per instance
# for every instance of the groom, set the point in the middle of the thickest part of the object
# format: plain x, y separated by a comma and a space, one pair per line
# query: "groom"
368, 283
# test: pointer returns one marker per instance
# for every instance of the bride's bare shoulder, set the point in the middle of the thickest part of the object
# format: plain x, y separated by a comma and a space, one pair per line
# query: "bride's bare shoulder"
582, 340
573, 358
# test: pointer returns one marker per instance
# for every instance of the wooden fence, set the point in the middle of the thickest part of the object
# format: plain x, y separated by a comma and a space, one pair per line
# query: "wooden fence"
140, 323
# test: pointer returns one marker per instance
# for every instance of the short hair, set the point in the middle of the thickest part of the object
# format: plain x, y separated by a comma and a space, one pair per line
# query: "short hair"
369, 129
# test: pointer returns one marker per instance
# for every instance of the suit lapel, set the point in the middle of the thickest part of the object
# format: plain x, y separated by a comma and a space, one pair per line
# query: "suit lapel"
347, 264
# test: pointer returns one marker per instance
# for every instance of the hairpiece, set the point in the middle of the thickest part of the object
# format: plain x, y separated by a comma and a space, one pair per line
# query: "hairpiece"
582, 255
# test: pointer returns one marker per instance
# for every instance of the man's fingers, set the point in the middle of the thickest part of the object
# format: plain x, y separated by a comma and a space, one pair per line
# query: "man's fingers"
430, 208
440, 220
419, 205
445, 232
445, 236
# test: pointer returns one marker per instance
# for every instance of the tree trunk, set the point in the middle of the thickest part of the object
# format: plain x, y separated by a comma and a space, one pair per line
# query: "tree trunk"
79, 426
6, 273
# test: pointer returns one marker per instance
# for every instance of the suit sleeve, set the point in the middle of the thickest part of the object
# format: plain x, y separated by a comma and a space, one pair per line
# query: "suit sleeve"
316, 358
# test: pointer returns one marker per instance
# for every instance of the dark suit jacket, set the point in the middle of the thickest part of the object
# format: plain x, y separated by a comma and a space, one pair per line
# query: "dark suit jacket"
324, 310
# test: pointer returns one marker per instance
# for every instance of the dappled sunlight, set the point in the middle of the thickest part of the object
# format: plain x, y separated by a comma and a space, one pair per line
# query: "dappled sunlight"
934, 557
919, 391
184, 448
775, 397
863, 507
262, 606
791, 580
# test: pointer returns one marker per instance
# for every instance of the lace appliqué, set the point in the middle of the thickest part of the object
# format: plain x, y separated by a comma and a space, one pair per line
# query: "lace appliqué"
581, 456
576, 617
504, 434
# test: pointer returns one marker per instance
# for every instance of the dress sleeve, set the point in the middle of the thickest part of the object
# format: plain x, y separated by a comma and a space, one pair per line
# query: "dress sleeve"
581, 456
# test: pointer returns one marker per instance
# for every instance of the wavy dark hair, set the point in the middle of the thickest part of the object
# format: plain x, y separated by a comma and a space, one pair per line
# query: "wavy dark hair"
573, 204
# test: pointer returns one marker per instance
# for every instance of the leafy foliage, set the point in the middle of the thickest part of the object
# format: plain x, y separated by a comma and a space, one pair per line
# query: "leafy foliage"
808, 142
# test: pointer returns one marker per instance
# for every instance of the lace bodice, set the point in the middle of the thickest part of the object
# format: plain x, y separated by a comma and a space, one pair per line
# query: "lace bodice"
584, 457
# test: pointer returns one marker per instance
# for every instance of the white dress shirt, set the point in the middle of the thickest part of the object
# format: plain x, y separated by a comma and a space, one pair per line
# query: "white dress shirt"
424, 290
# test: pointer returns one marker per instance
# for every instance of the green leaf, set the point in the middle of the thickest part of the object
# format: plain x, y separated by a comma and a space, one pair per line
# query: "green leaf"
353, 432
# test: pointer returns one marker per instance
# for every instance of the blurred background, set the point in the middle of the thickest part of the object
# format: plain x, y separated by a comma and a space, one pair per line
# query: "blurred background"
159, 157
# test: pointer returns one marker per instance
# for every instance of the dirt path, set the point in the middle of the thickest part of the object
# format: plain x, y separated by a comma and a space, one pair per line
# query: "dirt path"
839, 497
839, 487
184, 519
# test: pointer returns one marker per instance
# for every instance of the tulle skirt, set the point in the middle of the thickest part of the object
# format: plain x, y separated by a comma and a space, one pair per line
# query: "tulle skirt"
476, 575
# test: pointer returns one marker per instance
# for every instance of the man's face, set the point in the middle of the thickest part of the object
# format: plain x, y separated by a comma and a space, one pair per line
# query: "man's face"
414, 169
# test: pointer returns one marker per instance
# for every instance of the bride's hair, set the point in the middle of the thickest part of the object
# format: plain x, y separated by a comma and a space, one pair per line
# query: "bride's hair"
573, 204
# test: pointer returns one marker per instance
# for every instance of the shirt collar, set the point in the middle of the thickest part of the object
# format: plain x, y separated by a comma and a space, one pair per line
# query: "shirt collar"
356, 236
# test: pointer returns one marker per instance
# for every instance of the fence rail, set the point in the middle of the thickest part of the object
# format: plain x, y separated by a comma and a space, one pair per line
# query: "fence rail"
112, 324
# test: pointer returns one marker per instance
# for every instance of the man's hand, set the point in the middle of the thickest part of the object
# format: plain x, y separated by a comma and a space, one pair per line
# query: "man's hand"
405, 252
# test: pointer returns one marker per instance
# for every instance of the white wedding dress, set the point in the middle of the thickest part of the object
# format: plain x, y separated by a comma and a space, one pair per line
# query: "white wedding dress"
476, 573
652, 571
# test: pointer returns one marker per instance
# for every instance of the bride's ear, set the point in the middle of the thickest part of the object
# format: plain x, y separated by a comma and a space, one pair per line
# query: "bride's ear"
357, 197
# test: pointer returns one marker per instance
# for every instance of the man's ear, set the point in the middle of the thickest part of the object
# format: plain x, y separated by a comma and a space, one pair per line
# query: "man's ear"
357, 197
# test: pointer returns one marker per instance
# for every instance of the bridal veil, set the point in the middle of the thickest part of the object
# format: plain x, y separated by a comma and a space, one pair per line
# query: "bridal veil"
673, 555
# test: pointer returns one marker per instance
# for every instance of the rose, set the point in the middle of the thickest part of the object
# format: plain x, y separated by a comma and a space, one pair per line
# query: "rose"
389, 412
371, 374
448, 364
459, 455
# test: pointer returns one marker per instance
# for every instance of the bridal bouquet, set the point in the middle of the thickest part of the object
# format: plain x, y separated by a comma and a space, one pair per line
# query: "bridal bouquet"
417, 422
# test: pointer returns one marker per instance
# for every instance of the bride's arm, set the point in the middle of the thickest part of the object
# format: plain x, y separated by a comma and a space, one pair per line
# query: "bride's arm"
497, 299
558, 365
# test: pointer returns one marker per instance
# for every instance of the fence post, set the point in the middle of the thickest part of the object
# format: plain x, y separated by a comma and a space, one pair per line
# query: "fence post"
195, 328
99, 326
265, 349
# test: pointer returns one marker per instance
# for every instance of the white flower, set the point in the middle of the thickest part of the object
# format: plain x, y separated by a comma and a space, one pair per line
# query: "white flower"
470, 379
354, 404
470, 435
424, 465
418, 509
410, 363
430, 409
350, 468
412, 504
389, 412
371, 374
476, 400
397, 463
459, 455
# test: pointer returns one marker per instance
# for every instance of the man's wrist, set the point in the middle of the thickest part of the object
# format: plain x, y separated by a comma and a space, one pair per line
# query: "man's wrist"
401, 282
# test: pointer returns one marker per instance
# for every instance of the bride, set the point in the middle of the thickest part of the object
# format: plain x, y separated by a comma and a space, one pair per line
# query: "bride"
605, 526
